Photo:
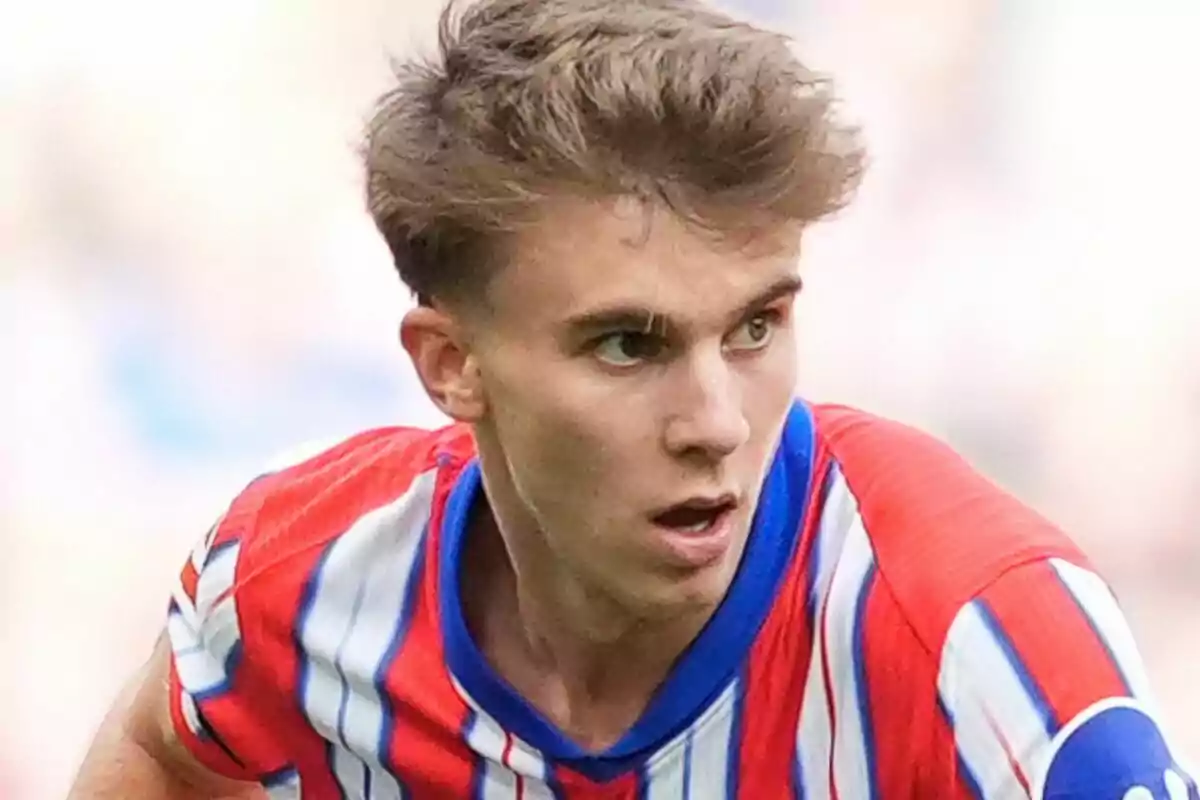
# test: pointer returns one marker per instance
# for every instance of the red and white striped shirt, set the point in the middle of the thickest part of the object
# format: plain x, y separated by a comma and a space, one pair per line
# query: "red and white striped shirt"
898, 628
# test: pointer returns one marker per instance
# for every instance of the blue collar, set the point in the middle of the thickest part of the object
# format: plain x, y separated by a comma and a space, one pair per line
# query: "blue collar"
701, 673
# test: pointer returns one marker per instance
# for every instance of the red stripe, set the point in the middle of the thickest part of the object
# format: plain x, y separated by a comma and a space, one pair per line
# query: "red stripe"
773, 696
190, 578
429, 740
206, 751
902, 693
942, 776
1054, 640
941, 531
578, 787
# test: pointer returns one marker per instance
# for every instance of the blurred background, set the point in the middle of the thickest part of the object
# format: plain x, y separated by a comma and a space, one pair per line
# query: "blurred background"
189, 284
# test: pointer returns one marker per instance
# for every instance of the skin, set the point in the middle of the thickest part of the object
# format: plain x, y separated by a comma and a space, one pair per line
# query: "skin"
624, 363
585, 431
136, 752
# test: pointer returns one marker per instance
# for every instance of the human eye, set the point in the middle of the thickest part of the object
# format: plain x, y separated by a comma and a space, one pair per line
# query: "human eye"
629, 349
755, 332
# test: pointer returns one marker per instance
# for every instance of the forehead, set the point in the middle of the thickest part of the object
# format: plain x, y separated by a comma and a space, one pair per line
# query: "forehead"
585, 255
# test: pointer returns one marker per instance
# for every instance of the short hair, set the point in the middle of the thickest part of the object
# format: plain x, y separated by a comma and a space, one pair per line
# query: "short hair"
528, 101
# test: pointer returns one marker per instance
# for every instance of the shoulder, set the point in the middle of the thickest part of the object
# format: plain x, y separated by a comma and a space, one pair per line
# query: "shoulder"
324, 540
277, 530
312, 495
937, 531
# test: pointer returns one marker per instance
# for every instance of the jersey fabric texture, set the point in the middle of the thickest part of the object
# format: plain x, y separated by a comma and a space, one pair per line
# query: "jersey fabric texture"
898, 628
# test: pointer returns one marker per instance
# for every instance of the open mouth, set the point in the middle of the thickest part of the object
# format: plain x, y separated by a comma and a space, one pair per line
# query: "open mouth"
695, 516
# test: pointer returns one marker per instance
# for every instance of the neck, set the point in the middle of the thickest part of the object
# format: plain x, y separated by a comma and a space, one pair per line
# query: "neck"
586, 661
590, 639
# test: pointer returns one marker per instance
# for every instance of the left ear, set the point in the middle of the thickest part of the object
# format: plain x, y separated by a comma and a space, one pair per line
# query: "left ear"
443, 361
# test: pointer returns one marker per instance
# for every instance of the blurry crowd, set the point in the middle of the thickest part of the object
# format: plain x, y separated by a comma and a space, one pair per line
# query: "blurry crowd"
189, 284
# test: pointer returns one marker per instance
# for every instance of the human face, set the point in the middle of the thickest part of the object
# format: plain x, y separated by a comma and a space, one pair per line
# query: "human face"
637, 374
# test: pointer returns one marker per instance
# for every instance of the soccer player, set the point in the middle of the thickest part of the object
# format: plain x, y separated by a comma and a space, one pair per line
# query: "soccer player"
636, 565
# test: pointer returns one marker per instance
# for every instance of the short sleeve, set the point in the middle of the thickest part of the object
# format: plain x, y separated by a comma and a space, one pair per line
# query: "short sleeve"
206, 652
1047, 695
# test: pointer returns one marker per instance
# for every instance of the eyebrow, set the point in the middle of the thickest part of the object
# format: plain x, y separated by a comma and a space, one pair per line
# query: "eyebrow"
644, 318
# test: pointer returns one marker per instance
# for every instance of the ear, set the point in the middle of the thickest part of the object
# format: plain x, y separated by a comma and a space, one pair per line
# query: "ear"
441, 356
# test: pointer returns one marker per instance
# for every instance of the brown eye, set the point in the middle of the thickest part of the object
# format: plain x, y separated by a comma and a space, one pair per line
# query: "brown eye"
753, 334
629, 349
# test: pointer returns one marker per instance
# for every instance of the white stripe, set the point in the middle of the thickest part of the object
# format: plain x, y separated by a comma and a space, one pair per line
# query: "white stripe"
837, 518
813, 742
191, 715
203, 640
1097, 600
665, 778
186, 607
536, 790
499, 780
978, 744
1099, 604
221, 578
360, 593
813, 745
487, 739
851, 768
708, 739
216, 577
991, 709
711, 742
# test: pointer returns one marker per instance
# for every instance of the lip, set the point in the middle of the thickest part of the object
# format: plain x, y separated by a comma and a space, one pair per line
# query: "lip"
698, 549
701, 502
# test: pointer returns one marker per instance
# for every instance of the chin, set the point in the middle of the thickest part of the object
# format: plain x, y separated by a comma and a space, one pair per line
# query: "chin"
676, 592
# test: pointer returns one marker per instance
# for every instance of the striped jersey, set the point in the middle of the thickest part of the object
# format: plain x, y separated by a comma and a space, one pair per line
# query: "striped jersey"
898, 628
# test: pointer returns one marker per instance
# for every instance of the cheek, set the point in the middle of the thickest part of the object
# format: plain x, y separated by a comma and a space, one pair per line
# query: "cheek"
549, 437
771, 381
572, 448
768, 395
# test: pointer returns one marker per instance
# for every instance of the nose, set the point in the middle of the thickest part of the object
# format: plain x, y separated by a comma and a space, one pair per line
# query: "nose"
708, 420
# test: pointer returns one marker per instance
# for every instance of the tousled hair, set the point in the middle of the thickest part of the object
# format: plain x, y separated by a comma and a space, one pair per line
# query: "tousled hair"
528, 101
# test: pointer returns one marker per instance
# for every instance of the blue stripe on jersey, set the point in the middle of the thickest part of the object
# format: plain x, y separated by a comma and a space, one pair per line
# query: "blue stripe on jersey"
232, 660
860, 681
343, 679
308, 598
387, 727
277, 778
701, 674
969, 778
964, 769
1036, 696
813, 564
641, 789
174, 611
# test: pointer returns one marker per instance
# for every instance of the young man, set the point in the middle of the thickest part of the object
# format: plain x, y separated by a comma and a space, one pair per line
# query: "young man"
636, 566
